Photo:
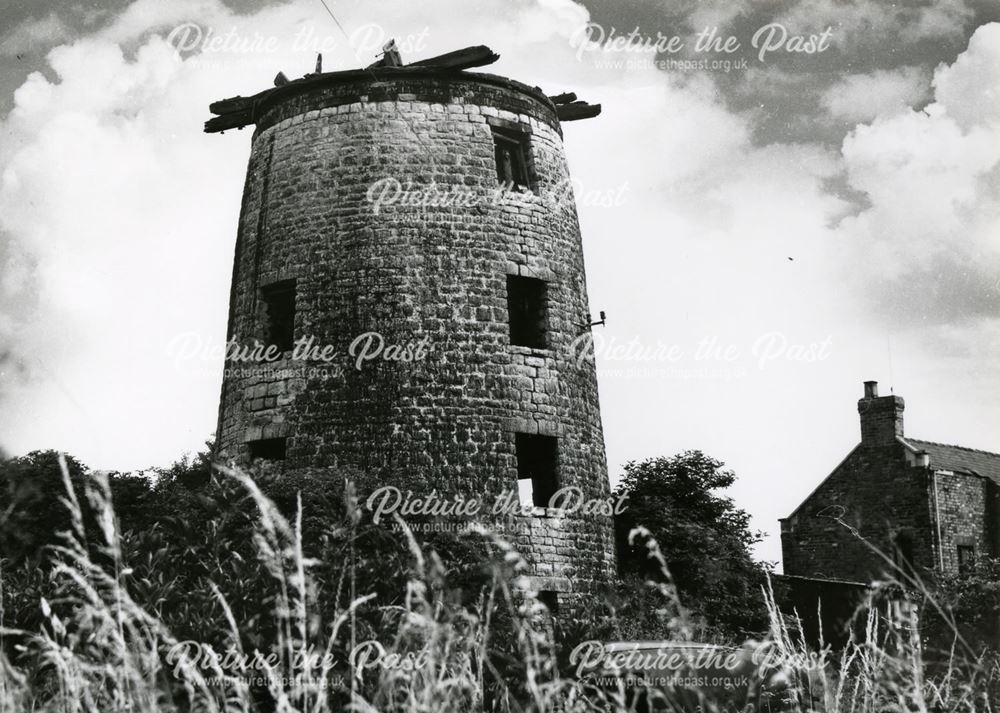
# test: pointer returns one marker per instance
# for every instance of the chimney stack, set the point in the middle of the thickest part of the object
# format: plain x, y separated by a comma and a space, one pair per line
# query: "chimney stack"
881, 417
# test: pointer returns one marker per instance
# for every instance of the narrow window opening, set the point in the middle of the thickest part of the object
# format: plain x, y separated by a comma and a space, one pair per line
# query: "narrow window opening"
904, 553
551, 619
268, 449
551, 601
526, 307
511, 150
536, 469
279, 314
966, 559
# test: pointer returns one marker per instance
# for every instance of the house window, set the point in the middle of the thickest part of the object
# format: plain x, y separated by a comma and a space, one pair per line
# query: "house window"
511, 149
966, 559
269, 449
526, 298
279, 314
536, 469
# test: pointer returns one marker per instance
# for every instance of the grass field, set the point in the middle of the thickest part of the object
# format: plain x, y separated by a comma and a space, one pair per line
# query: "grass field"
98, 649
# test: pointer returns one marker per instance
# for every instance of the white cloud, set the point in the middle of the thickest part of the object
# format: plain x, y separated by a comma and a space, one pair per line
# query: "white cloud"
33, 34
118, 216
932, 179
143, 16
969, 88
863, 97
123, 209
867, 23
129, 211
121, 213
943, 18
717, 14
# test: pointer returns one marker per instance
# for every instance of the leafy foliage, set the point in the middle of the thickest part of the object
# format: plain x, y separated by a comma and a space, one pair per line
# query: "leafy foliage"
705, 539
961, 620
211, 558
187, 534
31, 511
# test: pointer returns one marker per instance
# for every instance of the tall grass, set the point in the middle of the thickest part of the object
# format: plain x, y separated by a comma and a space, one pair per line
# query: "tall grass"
98, 650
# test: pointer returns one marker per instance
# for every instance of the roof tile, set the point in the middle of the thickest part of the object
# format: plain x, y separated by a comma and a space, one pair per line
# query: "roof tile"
960, 459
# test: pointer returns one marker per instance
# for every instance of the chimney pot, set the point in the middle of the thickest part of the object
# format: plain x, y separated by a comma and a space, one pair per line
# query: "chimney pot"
871, 389
923, 459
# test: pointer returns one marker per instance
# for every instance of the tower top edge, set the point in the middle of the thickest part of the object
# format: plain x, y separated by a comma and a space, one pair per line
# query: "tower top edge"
237, 112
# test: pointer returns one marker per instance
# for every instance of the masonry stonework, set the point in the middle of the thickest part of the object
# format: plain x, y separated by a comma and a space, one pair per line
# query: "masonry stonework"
872, 498
966, 511
894, 503
429, 278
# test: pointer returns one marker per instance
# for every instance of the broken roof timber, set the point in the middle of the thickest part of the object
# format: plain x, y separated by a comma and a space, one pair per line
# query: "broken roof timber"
238, 112
564, 98
577, 110
467, 58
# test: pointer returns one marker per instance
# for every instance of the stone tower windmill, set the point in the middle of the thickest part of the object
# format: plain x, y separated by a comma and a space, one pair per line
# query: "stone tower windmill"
453, 313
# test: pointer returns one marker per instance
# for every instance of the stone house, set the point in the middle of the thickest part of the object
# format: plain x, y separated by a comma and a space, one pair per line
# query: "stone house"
895, 501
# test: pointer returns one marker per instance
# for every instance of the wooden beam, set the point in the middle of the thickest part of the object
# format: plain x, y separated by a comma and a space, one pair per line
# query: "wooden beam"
563, 98
477, 56
229, 120
237, 112
577, 110
225, 106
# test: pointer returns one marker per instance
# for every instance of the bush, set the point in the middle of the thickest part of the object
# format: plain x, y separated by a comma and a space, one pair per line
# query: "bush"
119, 620
705, 539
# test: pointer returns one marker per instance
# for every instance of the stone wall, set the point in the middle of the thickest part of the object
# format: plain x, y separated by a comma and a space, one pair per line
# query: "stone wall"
877, 495
963, 505
419, 275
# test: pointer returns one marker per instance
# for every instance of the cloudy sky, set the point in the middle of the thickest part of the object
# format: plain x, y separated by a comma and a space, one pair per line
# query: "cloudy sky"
782, 224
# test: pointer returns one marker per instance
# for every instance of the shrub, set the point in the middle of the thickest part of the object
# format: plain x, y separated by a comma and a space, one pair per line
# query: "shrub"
123, 619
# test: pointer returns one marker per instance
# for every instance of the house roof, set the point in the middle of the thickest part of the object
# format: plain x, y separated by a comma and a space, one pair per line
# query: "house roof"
959, 459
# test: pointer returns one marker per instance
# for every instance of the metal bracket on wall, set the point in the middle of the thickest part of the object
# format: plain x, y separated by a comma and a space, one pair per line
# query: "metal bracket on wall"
590, 324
